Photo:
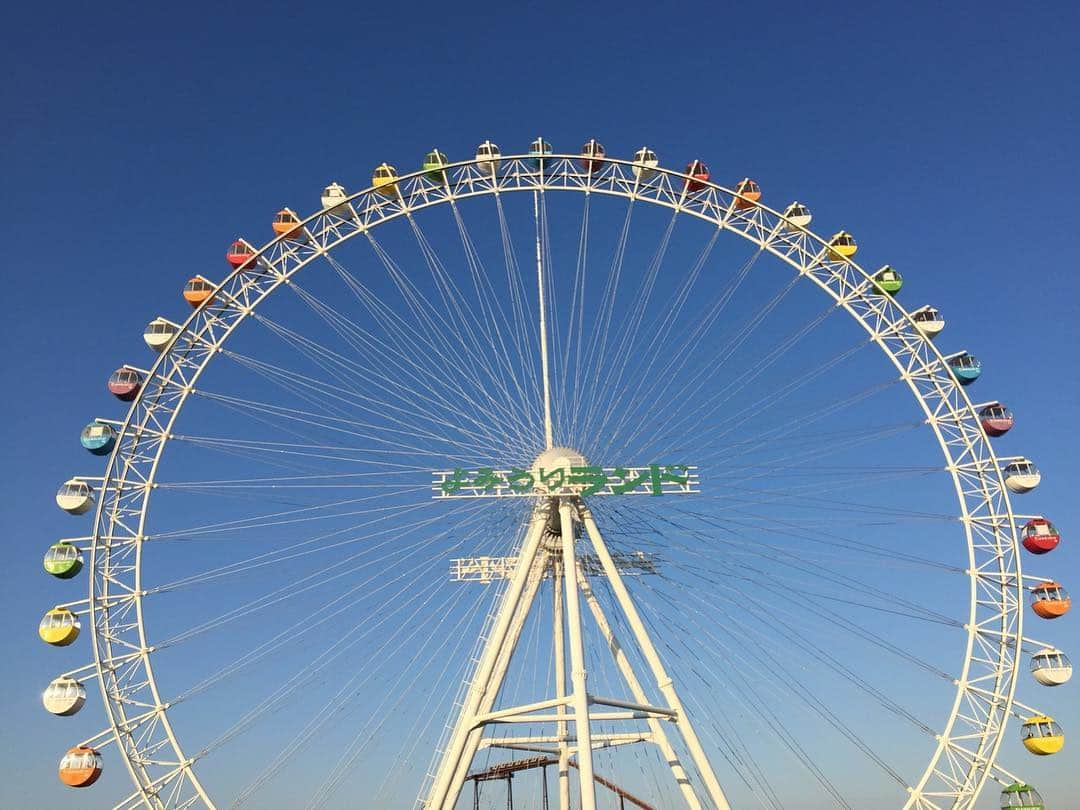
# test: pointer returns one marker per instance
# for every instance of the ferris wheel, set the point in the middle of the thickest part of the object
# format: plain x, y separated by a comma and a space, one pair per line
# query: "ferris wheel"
647, 482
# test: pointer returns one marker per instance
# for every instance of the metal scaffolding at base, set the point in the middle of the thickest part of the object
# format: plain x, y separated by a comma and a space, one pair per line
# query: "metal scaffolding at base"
505, 771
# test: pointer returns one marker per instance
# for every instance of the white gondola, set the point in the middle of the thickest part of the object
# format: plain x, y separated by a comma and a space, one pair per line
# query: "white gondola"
64, 696
489, 156
159, 333
333, 198
1021, 476
75, 497
928, 321
1050, 667
645, 164
797, 216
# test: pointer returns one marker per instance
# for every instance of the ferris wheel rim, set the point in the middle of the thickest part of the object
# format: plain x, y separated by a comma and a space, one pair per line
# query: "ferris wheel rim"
483, 184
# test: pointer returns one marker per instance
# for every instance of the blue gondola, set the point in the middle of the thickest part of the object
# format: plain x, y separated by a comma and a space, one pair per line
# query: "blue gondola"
965, 367
98, 438
538, 150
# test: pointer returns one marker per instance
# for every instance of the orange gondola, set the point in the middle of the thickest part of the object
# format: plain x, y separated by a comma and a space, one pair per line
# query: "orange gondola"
287, 223
1049, 600
80, 767
749, 193
198, 290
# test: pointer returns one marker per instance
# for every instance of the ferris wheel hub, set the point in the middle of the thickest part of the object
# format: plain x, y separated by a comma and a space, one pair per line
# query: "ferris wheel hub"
559, 458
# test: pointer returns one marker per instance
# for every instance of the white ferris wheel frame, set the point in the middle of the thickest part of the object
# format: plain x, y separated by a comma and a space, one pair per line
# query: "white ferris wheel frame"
163, 774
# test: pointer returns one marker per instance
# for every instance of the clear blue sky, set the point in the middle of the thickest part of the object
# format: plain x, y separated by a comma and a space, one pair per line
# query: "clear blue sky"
137, 143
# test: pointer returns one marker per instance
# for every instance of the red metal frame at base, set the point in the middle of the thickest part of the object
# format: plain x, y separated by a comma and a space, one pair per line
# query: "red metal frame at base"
506, 770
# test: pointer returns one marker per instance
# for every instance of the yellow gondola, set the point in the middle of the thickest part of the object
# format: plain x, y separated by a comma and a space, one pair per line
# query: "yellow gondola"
385, 180
842, 246
1042, 736
59, 627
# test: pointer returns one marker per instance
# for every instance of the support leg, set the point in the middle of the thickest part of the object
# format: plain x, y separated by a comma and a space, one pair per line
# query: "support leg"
578, 675
502, 663
663, 680
450, 774
655, 726
560, 680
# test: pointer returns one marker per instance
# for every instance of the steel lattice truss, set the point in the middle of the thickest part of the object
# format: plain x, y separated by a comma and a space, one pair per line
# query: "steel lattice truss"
163, 771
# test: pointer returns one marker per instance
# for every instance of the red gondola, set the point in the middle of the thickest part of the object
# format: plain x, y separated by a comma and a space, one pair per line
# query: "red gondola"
592, 155
699, 175
125, 383
240, 254
1039, 536
996, 419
